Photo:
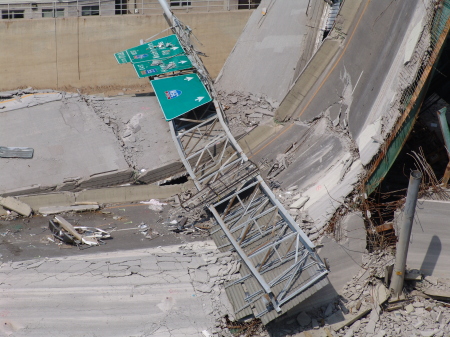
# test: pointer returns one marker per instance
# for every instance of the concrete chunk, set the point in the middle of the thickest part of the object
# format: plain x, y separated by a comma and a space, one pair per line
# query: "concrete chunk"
264, 112
303, 319
16, 205
60, 209
300, 202
338, 320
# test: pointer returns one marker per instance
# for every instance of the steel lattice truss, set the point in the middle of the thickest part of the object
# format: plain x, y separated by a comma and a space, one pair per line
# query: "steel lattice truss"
279, 265
279, 261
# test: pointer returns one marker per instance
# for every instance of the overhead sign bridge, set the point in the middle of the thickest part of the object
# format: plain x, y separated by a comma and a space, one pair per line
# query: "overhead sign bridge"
280, 267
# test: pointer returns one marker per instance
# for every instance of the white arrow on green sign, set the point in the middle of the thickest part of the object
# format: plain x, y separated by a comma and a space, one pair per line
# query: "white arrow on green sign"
180, 94
158, 49
157, 67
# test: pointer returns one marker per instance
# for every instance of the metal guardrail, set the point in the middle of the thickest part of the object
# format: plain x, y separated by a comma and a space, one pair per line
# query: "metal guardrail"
38, 9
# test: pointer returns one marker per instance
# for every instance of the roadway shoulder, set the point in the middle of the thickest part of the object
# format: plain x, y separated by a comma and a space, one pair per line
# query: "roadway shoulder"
316, 67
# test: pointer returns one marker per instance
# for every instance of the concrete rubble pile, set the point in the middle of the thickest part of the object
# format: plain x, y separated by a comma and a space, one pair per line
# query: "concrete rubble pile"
362, 308
295, 200
246, 111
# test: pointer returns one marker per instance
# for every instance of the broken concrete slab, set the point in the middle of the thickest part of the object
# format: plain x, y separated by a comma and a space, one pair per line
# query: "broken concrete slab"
68, 138
428, 250
373, 319
381, 294
277, 48
438, 294
16, 205
300, 202
265, 112
340, 320
344, 258
48, 210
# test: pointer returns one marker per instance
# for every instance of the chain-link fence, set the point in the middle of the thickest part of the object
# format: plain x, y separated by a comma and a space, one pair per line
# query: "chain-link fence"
414, 80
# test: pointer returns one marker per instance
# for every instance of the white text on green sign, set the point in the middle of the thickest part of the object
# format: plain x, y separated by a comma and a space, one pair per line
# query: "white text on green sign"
180, 94
158, 49
157, 67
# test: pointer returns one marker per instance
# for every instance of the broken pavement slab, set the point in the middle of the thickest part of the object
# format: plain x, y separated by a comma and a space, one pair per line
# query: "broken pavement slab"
118, 287
16, 205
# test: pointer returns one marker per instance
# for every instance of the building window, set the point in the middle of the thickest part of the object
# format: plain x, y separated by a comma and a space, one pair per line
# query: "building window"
248, 4
121, 7
13, 14
90, 10
178, 3
52, 13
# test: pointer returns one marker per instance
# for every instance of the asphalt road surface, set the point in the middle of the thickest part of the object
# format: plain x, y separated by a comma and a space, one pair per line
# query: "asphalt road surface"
28, 238
363, 65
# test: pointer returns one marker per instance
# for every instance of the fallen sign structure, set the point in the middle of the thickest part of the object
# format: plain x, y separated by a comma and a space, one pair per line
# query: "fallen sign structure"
280, 267
76, 235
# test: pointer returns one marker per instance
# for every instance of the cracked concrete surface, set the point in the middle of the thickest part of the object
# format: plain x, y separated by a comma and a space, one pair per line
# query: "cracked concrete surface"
158, 291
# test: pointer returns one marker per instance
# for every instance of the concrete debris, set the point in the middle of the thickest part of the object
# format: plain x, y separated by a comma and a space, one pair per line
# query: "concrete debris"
245, 111
16, 205
49, 210
301, 201
66, 233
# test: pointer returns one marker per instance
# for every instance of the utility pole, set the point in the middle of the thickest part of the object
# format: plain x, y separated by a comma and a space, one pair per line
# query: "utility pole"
398, 274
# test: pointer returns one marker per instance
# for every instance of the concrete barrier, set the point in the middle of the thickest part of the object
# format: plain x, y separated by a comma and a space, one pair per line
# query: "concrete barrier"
103, 196
78, 51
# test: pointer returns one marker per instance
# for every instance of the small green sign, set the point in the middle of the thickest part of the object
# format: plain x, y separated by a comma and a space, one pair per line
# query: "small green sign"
180, 94
158, 49
122, 57
157, 67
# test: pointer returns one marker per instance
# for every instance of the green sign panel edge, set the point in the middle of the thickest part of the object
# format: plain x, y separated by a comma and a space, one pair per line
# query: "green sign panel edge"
193, 94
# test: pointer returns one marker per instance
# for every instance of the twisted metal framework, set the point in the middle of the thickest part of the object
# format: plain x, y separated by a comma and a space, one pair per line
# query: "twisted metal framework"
279, 261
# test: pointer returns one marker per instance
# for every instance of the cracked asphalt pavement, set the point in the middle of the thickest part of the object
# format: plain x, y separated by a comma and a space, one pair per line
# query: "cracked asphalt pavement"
131, 286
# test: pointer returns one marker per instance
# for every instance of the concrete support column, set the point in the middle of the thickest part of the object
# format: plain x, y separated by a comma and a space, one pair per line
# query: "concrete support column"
398, 275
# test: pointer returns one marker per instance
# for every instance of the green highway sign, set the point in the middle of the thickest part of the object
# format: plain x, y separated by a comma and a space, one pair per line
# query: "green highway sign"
122, 57
180, 94
157, 67
158, 49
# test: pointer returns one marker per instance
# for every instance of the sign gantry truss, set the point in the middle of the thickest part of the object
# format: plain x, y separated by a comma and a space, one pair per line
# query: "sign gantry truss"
279, 266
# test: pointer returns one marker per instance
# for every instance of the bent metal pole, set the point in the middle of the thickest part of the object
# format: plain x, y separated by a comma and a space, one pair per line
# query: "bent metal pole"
167, 11
398, 274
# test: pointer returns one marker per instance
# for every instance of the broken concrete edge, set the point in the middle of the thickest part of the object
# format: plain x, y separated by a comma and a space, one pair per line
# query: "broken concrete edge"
15, 205
101, 196
104, 179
